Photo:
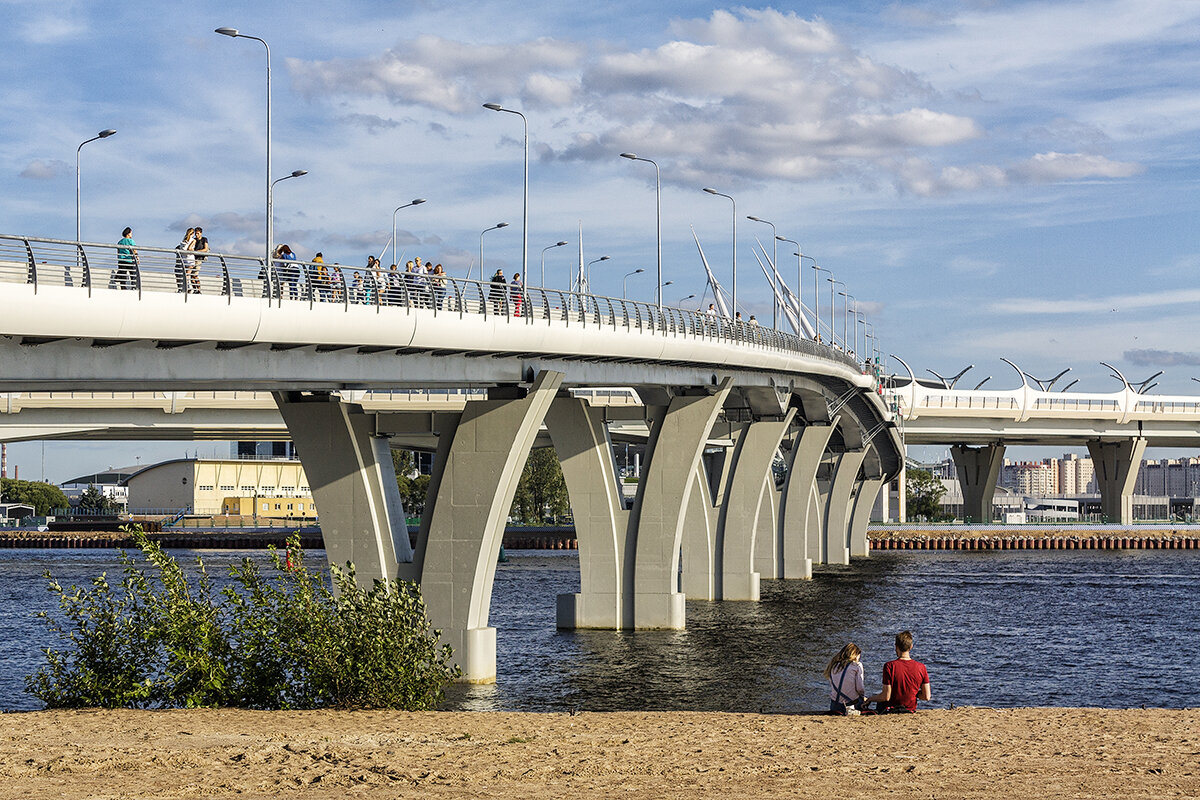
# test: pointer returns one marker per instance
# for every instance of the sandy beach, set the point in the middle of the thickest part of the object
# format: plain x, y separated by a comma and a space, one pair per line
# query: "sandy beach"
1013, 753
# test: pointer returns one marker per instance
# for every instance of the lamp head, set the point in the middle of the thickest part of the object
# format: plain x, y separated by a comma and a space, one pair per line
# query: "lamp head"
603, 258
418, 201
298, 172
560, 244
638, 271
668, 283
227, 32
710, 191
501, 224
630, 156
493, 106
106, 134
754, 219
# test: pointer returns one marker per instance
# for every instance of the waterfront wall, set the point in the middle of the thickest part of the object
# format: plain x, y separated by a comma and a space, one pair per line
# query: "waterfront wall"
563, 538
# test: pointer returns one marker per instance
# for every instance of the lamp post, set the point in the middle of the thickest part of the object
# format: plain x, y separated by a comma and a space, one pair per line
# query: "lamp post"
625, 280
774, 269
846, 313
235, 34
587, 273
799, 267
833, 308
658, 217
271, 189
525, 195
817, 303
416, 202
544, 249
733, 310
495, 227
101, 135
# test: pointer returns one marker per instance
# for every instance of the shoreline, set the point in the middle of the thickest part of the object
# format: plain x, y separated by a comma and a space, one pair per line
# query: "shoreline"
964, 752
1150, 537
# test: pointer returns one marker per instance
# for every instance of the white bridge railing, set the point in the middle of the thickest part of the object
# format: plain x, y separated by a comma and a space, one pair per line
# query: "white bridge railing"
914, 400
89, 267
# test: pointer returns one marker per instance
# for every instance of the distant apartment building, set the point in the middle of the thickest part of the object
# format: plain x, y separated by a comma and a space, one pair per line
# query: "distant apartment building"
1169, 477
1050, 477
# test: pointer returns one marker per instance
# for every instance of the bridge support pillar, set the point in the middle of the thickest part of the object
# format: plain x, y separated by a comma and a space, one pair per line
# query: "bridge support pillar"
1116, 465
353, 483
481, 454
864, 502
768, 539
739, 518
602, 527
840, 505
800, 525
701, 560
673, 451
978, 470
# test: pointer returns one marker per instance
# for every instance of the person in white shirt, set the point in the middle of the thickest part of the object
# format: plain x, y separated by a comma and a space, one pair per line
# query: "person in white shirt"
847, 693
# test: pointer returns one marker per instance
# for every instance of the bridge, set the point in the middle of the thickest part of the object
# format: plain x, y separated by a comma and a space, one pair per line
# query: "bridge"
980, 423
86, 317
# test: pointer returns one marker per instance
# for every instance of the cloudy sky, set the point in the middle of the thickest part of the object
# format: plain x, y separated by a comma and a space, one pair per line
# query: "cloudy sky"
988, 178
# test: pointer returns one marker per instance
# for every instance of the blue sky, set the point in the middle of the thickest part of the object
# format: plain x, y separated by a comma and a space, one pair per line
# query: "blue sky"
989, 178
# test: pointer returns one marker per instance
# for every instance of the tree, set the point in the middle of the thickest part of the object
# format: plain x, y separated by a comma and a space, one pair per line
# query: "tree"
44, 497
94, 499
924, 495
413, 487
542, 491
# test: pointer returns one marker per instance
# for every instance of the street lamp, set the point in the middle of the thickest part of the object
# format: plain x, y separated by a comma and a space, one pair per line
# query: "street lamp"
624, 280
734, 292
658, 216
233, 33
817, 303
832, 308
774, 270
100, 135
495, 227
587, 273
846, 313
416, 202
683, 300
544, 249
799, 254
525, 196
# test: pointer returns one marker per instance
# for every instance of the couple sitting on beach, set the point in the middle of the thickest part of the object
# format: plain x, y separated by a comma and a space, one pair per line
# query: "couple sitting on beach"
905, 681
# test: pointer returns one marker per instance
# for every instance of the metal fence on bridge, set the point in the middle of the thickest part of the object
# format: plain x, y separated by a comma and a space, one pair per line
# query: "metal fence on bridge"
89, 266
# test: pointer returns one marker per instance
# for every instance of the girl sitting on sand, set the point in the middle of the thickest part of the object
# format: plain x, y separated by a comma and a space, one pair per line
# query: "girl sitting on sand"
847, 695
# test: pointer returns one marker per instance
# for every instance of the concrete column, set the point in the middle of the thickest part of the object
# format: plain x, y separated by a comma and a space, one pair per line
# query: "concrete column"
840, 504
581, 441
1116, 466
978, 470
902, 490
470, 497
738, 522
864, 503
768, 538
353, 483
799, 523
698, 579
673, 451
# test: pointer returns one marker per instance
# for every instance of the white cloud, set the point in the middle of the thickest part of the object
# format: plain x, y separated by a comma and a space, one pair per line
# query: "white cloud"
1114, 304
41, 169
1052, 167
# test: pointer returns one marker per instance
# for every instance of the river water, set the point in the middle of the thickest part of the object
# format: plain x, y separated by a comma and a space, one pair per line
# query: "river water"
1115, 629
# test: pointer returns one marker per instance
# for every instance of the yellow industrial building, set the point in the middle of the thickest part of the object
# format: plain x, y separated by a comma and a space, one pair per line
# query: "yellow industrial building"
208, 486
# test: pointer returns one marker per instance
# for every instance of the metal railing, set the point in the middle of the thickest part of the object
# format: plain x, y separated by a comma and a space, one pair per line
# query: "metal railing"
90, 266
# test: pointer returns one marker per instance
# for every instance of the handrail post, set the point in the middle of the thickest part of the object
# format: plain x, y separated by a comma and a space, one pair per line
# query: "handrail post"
87, 271
227, 281
31, 276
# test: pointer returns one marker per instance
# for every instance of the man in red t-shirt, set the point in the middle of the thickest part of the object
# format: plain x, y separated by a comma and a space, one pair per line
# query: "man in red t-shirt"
905, 680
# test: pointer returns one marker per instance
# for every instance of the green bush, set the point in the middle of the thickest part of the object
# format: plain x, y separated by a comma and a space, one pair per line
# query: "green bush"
285, 638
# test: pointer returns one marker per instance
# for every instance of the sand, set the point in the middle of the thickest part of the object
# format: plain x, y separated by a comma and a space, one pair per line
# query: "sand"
1011, 753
